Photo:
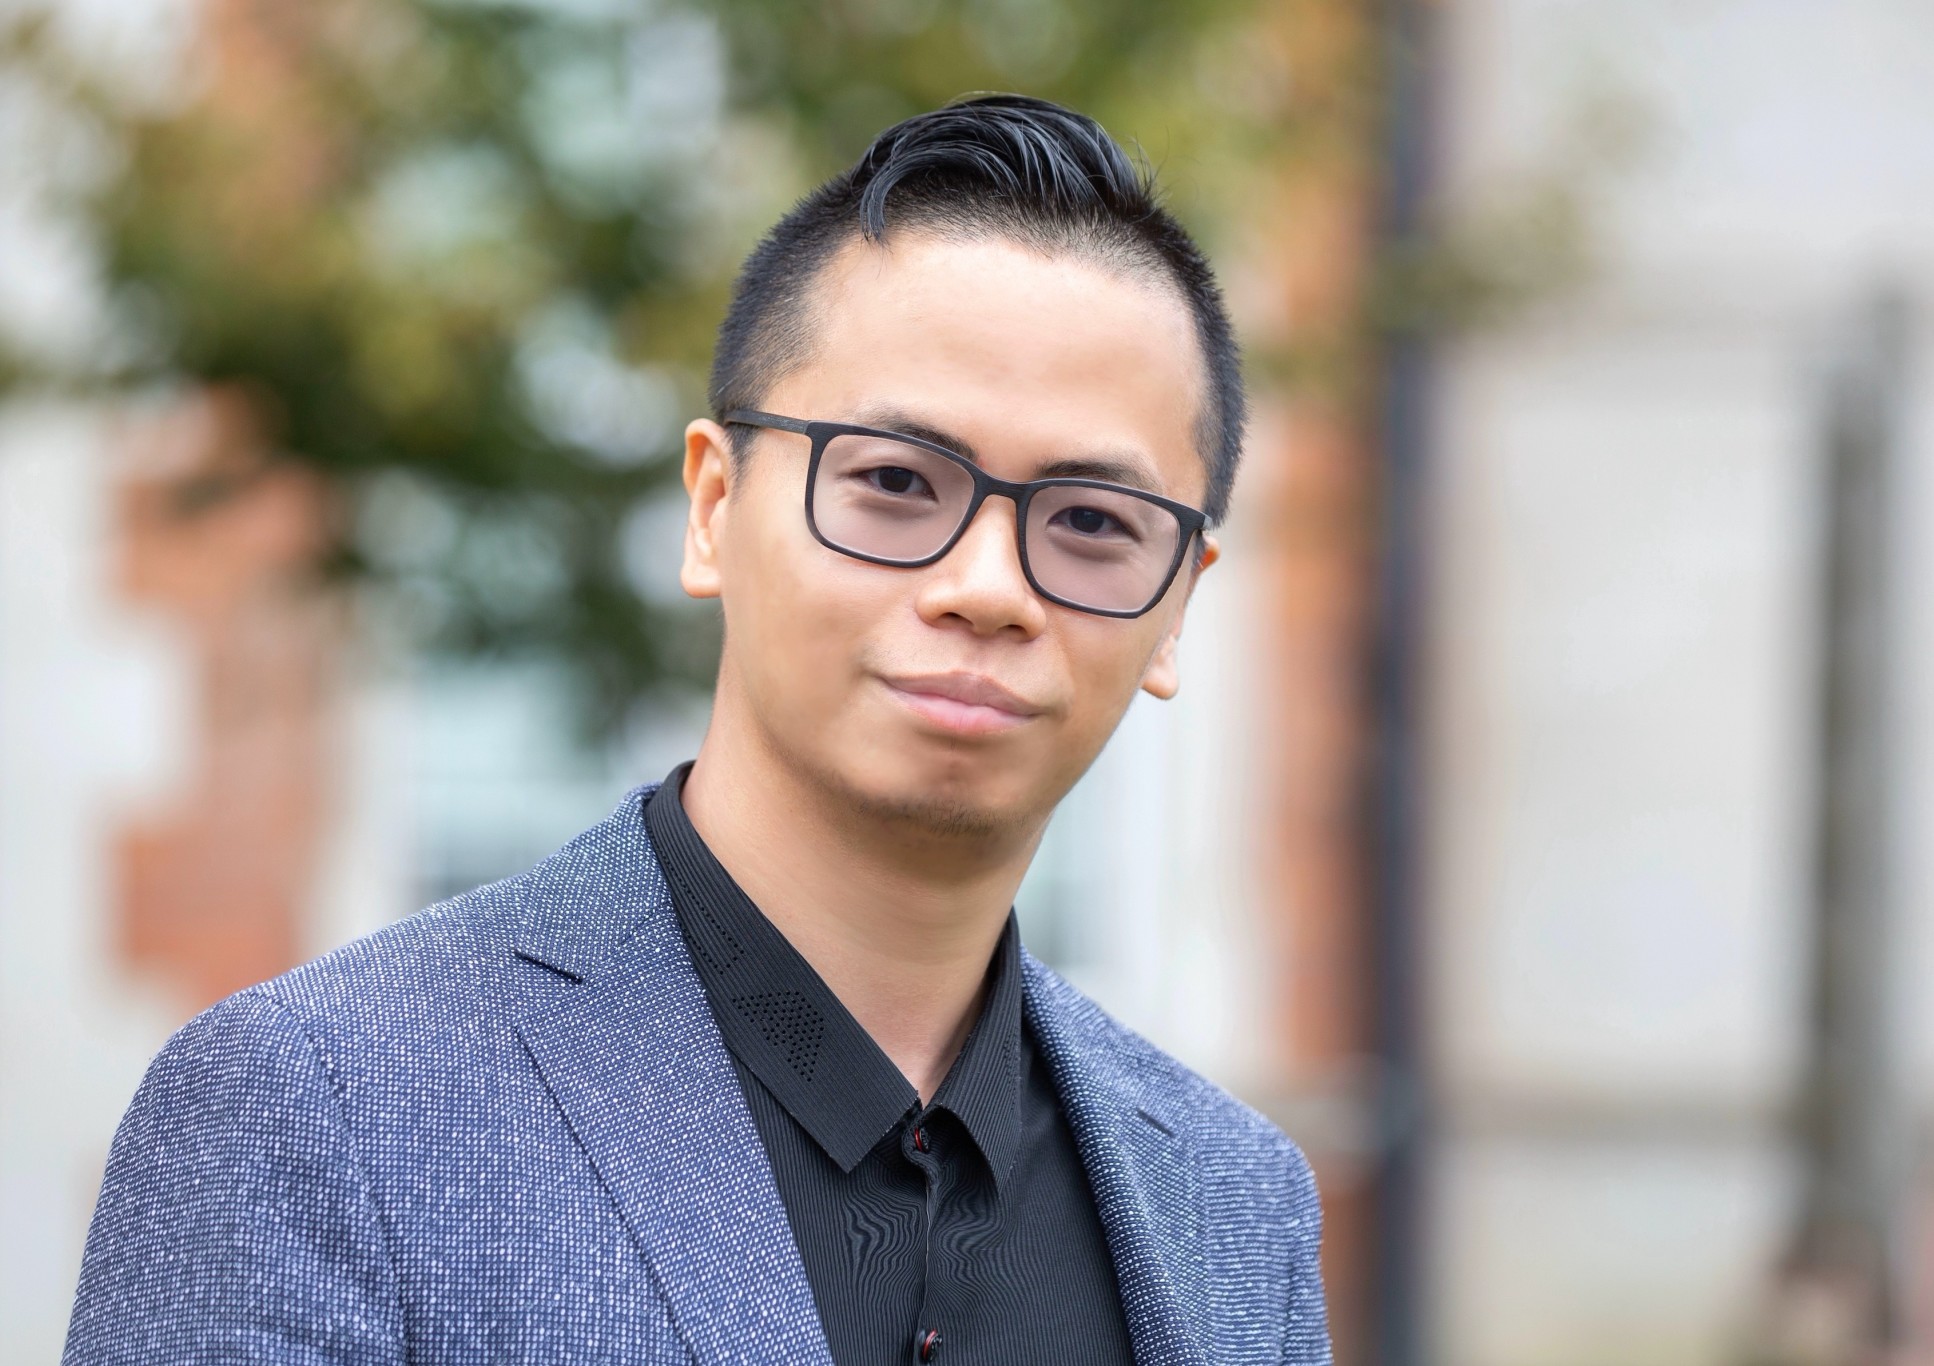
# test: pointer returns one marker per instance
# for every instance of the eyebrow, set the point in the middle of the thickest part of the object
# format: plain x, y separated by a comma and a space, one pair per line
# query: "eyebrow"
1128, 471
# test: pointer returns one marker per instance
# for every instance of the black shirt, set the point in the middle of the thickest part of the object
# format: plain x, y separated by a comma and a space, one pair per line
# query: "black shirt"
960, 1232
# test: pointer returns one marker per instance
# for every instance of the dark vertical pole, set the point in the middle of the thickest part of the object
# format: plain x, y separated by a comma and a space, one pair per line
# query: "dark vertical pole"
1852, 1117
1394, 830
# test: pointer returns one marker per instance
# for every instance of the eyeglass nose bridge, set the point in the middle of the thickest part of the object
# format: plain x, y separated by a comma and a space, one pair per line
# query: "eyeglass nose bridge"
987, 486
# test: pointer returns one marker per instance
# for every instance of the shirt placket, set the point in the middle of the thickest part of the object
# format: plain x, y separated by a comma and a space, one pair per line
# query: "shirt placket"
921, 1145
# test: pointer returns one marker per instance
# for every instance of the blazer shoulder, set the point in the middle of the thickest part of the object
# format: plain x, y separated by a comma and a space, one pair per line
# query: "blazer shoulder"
446, 951
457, 956
428, 991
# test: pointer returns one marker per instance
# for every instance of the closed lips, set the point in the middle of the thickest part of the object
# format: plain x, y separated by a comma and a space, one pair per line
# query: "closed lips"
963, 705
973, 690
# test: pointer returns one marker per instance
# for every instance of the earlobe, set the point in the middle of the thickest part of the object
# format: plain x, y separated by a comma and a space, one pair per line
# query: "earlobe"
708, 475
1162, 678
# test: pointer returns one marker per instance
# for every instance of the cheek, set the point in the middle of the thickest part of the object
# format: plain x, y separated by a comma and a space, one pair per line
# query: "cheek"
796, 613
1107, 659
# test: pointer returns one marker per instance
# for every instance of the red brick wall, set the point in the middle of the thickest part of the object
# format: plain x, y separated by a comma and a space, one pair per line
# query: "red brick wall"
211, 890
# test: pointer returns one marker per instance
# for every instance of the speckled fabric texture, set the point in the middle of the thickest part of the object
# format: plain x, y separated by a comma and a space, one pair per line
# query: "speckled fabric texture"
507, 1130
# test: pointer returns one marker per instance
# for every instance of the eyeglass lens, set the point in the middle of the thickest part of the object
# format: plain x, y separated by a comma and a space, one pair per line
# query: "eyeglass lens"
893, 501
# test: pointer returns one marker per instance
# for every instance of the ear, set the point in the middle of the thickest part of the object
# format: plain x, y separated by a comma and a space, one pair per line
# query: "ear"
708, 478
1161, 678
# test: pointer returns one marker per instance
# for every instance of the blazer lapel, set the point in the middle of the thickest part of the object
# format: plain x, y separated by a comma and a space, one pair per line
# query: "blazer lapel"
634, 1059
1143, 1185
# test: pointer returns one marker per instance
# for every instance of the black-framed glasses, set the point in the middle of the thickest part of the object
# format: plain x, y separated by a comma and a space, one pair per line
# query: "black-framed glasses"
898, 500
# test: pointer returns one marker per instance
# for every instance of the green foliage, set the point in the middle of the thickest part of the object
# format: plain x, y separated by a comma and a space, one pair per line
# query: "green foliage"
839, 73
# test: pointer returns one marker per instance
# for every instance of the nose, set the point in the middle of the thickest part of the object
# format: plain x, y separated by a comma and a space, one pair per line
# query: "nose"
979, 583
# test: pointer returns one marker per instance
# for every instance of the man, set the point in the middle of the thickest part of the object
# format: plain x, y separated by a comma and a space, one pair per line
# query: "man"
756, 1069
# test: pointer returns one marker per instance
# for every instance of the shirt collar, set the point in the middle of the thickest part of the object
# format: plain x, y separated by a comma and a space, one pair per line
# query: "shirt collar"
983, 1087
784, 1023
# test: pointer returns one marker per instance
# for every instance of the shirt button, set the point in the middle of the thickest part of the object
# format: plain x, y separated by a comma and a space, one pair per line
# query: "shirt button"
930, 1344
920, 1142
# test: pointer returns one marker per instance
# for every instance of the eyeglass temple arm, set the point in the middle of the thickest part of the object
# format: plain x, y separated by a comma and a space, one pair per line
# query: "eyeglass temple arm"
752, 417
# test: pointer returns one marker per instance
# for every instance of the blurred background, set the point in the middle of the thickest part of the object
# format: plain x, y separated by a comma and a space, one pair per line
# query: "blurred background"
1545, 832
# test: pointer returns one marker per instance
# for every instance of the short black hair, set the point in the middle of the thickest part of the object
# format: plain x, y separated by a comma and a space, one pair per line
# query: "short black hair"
1007, 166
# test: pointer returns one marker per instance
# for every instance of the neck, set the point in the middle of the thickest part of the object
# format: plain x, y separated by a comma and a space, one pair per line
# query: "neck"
900, 924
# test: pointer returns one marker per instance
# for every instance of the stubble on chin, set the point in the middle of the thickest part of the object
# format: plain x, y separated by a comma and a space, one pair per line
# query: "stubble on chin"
940, 816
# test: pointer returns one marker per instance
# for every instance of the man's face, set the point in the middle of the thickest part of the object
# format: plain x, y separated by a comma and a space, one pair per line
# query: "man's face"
951, 695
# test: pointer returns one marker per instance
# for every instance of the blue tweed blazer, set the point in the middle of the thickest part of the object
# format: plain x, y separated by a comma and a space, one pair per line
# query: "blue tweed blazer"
507, 1130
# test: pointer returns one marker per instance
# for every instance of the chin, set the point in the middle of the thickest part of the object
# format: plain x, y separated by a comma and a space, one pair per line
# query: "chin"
943, 817
950, 796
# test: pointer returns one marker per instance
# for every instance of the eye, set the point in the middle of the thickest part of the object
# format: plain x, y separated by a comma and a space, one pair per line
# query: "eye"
1090, 522
896, 479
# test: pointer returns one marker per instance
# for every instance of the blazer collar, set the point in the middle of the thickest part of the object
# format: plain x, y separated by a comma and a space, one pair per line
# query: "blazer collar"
635, 1061
1137, 1165
584, 903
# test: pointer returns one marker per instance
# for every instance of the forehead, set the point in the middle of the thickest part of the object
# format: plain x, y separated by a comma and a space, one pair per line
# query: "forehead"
1029, 356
